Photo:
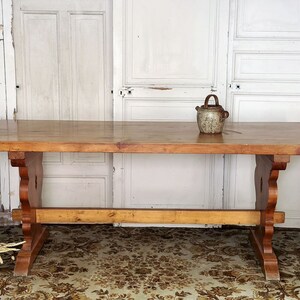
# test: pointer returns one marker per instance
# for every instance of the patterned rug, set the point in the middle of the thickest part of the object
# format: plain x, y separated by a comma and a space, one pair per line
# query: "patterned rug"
106, 262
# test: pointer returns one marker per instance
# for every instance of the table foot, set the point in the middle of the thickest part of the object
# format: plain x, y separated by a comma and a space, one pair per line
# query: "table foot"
26, 258
268, 261
266, 175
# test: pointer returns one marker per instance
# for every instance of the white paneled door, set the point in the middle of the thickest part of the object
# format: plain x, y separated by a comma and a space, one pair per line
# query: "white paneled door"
168, 55
264, 77
63, 67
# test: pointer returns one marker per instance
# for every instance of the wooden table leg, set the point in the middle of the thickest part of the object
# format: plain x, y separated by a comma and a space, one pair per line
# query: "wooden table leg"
31, 177
266, 175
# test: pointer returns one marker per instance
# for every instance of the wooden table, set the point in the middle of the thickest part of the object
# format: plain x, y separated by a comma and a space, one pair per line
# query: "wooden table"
272, 143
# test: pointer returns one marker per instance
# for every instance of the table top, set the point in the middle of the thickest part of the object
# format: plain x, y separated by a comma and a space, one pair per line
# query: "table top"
148, 137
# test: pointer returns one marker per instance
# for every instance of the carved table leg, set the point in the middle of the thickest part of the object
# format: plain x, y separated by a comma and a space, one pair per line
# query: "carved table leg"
266, 175
31, 176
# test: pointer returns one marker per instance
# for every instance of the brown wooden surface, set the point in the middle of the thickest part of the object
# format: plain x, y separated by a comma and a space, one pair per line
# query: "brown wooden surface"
148, 137
272, 142
148, 216
266, 175
31, 176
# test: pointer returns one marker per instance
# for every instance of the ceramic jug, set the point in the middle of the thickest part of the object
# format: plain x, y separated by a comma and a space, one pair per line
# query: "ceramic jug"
211, 118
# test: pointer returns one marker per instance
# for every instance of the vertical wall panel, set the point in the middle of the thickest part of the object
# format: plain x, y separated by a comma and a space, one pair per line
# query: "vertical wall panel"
171, 41
88, 66
41, 66
272, 19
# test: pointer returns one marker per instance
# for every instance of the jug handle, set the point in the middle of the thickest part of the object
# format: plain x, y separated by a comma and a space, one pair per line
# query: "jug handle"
225, 114
207, 99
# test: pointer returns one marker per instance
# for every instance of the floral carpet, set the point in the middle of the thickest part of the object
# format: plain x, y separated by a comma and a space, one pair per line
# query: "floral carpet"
105, 262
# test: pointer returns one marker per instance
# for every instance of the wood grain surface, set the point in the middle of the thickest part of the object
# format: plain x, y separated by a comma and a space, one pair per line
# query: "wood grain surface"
146, 216
148, 137
31, 177
273, 141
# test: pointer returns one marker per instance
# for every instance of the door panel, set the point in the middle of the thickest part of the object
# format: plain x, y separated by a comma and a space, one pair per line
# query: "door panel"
272, 19
63, 61
264, 107
78, 189
264, 52
88, 66
164, 46
41, 91
157, 109
264, 66
159, 181
167, 58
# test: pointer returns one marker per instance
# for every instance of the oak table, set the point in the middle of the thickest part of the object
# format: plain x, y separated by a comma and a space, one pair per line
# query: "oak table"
25, 141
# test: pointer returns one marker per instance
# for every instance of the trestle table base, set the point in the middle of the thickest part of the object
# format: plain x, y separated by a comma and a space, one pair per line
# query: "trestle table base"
32, 216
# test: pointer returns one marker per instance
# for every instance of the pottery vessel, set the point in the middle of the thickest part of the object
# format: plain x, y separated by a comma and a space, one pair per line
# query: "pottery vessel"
211, 118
